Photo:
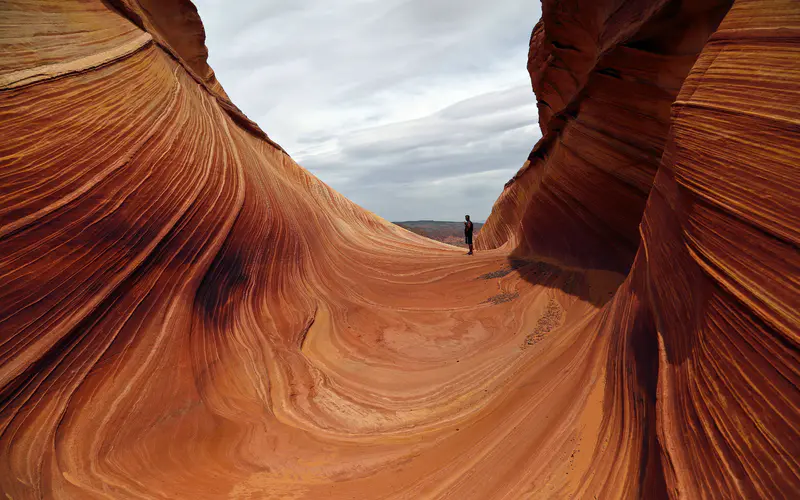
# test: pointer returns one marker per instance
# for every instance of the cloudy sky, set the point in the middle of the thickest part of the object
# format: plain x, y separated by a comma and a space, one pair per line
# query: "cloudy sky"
414, 109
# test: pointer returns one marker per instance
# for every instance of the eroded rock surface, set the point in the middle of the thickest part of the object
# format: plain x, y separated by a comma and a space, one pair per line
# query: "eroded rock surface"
187, 313
700, 122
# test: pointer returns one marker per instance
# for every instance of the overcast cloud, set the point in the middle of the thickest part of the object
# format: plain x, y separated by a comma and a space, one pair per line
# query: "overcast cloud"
414, 109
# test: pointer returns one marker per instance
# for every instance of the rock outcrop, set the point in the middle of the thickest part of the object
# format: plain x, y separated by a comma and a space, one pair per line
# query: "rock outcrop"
659, 104
187, 313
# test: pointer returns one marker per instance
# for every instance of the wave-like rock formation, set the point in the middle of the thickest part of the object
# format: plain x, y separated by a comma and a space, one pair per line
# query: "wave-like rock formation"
187, 313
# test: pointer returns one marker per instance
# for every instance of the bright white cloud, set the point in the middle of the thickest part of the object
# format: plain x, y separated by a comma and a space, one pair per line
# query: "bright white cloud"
415, 109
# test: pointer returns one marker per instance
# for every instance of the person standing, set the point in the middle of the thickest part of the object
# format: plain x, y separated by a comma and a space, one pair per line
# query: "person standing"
468, 233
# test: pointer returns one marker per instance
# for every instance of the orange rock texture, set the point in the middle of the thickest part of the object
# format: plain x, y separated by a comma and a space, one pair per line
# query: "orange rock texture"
187, 313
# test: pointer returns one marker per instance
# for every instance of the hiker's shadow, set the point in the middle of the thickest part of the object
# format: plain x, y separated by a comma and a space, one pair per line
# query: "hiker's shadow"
594, 286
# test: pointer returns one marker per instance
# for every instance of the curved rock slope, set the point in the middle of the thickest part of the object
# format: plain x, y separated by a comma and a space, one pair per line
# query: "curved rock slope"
187, 313
649, 110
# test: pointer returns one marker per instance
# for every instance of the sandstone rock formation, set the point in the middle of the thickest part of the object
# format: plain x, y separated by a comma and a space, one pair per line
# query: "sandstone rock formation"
187, 313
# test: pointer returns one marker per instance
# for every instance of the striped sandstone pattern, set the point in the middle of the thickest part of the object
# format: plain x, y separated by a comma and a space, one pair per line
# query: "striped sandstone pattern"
187, 313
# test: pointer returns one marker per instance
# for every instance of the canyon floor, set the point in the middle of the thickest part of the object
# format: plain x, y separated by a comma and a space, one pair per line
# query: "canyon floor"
465, 375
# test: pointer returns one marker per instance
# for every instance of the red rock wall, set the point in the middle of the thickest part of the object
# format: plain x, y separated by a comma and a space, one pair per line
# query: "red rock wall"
605, 75
721, 228
714, 286
141, 215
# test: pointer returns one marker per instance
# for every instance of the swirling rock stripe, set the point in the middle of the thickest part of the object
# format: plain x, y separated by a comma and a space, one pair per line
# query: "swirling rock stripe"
713, 289
727, 192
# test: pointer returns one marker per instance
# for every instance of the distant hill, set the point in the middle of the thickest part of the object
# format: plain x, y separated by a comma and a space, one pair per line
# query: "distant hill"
444, 231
